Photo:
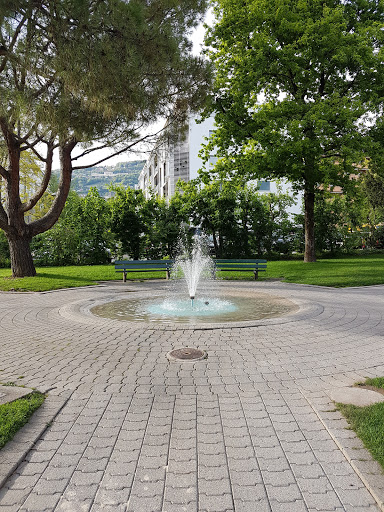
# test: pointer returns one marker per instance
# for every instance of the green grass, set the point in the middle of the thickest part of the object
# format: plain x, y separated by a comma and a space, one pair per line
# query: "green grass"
359, 271
53, 278
15, 414
377, 382
368, 422
350, 271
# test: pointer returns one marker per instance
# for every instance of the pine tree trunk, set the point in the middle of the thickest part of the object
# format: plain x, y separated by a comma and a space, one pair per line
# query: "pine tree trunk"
21, 257
309, 214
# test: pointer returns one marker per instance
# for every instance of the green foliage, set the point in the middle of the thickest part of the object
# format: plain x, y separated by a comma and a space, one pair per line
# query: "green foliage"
240, 222
127, 221
293, 83
81, 235
145, 227
377, 382
15, 414
4, 251
165, 226
335, 231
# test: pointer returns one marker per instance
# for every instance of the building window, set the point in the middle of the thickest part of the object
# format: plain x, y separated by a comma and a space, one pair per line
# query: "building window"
264, 186
212, 160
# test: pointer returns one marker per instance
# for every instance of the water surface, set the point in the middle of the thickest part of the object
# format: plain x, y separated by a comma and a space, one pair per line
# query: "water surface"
203, 310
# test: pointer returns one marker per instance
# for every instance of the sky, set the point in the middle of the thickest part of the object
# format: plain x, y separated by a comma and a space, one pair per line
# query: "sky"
197, 37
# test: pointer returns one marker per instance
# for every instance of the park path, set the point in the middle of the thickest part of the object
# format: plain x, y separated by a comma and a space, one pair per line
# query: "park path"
250, 429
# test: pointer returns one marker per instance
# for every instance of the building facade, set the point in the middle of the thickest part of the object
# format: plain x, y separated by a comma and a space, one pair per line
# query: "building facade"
170, 163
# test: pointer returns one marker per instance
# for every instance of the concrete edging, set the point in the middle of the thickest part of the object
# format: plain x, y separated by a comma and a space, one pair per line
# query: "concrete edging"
15, 450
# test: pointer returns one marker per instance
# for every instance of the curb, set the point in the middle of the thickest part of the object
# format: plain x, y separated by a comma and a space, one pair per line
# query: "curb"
15, 450
367, 469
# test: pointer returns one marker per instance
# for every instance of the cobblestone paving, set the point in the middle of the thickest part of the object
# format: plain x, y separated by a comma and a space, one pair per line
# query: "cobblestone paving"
240, 431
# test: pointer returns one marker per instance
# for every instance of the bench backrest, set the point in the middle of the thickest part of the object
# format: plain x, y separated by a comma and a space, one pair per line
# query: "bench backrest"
136, 264
243, 264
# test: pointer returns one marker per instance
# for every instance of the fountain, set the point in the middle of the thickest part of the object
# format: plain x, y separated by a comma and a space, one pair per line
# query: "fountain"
193, 264
194, 297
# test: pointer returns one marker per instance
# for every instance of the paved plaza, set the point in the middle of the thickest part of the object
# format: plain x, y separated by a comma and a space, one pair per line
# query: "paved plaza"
252, 428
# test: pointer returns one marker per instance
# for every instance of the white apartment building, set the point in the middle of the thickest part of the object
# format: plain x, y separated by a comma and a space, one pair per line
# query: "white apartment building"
170, 163
167, 164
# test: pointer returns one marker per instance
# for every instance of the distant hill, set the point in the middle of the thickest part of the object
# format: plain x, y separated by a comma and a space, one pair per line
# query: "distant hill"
123, 173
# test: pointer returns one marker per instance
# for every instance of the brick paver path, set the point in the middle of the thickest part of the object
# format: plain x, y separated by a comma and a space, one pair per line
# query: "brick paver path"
241, 431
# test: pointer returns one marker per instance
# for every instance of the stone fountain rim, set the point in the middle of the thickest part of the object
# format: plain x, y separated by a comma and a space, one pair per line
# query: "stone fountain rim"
80, 311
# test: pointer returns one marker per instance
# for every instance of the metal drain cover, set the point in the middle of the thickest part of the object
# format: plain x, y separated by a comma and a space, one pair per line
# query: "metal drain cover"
186, 354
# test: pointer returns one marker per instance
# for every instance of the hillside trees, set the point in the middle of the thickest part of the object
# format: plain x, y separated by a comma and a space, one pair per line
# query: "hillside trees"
295, 82
80, 76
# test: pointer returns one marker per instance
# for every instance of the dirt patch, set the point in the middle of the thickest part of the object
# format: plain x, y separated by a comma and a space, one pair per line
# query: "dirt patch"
372, 388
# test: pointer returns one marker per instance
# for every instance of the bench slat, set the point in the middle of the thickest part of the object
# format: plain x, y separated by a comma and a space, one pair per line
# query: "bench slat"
140, 270
149, 265
239, 269
142, 262
126, 266
239, 261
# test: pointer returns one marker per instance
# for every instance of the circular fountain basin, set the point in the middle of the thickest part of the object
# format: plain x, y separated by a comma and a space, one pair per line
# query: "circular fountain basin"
204, 310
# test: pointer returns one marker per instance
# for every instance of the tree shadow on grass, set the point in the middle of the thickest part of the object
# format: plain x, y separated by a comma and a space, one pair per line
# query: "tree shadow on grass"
64, 277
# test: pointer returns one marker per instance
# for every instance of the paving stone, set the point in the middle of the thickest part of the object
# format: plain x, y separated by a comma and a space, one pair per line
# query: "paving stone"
250, 428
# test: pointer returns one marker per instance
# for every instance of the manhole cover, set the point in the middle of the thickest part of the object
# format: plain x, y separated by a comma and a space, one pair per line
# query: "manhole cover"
186, 354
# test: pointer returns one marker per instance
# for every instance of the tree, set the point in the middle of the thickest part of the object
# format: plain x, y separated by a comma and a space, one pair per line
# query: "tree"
31, 175
241, 222
294, 82
165, 222
80, 237
212, 208
127, 221
80, 76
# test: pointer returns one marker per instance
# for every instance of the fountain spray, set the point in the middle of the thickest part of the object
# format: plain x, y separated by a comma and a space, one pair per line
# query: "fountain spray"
193, 263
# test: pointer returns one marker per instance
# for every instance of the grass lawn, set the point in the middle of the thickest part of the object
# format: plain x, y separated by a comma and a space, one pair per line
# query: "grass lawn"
53, 278
364, 270
368, 422
14, 415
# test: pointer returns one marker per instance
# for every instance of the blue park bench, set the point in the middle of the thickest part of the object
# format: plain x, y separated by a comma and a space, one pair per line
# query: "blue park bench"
254, 266
220, 265
126, 266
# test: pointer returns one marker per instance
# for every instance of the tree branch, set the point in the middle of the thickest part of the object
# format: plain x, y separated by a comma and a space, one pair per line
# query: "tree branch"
126, 148
3, 218
48, 220
4, 173
32, 148
12, 43
43, 187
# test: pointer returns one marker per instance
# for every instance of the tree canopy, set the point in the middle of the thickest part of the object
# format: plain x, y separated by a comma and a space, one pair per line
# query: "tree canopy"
298, 84
76, 76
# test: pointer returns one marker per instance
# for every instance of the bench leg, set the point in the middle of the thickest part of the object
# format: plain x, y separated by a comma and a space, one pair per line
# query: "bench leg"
167, 274
256, 272
124, 277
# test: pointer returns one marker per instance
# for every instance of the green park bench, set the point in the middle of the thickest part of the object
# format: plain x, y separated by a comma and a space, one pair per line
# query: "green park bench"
254, 266
126, 266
